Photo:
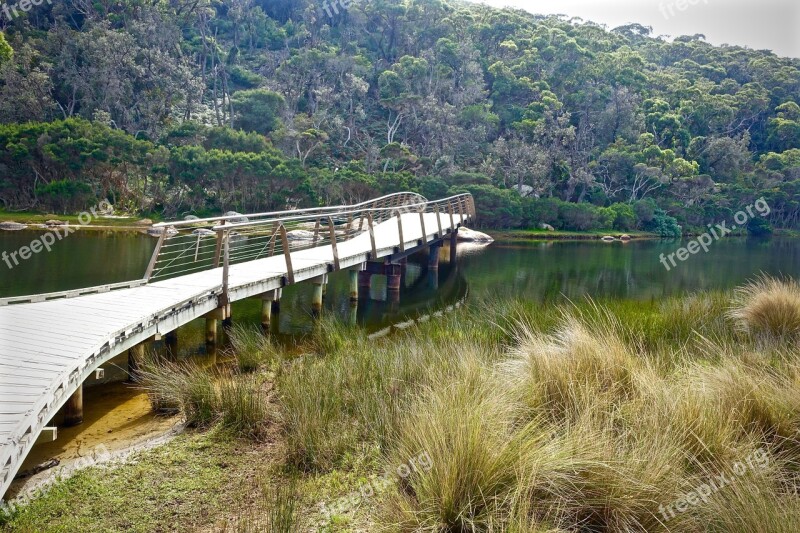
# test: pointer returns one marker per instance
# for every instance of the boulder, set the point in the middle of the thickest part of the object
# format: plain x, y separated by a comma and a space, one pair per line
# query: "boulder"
10, 225
204, 232
470, 235
524, 190
608, 238
300, 235
547, 227
145, 222
625, 237
236, 218
156, 232
55, 222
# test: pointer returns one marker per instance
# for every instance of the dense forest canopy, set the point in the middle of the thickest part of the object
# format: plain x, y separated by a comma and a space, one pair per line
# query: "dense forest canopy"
200, 106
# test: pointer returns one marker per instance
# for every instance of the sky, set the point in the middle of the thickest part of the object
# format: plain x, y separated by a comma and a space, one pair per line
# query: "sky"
758, 24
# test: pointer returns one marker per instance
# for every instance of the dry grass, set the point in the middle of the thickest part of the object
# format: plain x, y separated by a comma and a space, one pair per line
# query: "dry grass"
587, 418
768, 307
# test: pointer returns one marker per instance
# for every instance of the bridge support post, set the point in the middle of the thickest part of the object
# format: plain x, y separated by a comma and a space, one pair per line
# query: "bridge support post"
268, 302
212, 320
319, 290
211, 330
275, 308
453, 245
364, 283
394, 274
73, 409
433, 257
356, 275
171, 343
135, 358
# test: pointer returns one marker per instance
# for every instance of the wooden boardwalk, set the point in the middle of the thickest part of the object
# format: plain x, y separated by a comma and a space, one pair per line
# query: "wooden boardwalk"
49, 347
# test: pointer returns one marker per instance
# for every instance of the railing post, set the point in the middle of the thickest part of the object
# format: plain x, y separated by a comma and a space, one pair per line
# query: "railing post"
422, 225
226, 260
438, 221
372, 236
461, 211
316, 231
287, 253
333, 244
153, 260
400, 230
450, 212
218, 248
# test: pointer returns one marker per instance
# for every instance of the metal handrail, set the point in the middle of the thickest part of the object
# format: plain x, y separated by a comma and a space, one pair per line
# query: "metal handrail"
274, 214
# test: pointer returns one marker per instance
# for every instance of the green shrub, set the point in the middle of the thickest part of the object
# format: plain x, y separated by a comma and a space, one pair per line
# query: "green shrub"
624, 217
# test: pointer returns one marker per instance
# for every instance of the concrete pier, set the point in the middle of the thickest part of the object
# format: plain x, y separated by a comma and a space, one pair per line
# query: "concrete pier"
319, 291
269, 301
171, 343
354, 285
394, 274
364, 284
433, 257
212, 322
453, 246
135, 359
73, 409
211, 330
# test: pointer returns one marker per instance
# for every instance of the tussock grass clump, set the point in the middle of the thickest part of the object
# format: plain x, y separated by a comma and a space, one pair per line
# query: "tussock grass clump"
186, 387
768, 308
314, 419
465, 428
207, 396
253, 349
242, 406
571, 371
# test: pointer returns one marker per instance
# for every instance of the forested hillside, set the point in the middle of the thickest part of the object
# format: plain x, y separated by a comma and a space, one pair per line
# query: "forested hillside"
174, 107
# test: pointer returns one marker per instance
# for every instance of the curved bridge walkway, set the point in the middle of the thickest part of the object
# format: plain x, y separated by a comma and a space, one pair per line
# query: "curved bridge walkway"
51, 343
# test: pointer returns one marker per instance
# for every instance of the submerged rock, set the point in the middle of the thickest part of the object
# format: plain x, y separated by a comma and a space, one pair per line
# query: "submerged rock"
204, 232
608, 238
10, 225
470, 235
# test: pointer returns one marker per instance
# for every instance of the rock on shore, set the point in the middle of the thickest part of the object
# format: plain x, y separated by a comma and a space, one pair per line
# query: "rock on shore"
470, 235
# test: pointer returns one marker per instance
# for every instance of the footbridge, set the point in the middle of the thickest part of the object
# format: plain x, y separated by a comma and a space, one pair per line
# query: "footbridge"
51, 343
